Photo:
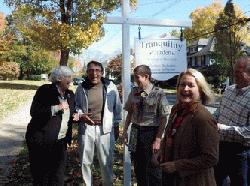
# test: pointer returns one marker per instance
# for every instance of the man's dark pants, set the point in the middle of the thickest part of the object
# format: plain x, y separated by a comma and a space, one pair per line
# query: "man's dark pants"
232, 163
146, 173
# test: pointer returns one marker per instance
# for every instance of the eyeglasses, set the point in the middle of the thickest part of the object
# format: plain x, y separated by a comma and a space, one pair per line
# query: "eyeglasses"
94, 70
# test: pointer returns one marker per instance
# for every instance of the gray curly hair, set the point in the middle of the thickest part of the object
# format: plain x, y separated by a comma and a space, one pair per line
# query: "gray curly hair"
60, 72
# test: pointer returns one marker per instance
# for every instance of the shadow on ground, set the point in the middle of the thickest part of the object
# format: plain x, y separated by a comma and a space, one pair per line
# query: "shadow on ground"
20, 171
18, 86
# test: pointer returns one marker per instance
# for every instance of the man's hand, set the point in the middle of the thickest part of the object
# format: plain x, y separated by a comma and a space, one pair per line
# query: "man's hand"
86, 119
76, 117
222, 126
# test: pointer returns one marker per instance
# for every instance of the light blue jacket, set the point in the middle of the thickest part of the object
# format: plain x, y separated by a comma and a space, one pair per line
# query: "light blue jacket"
112, 108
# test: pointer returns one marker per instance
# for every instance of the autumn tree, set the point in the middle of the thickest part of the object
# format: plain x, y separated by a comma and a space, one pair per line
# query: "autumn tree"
65, 25
203, 21
9, 70
32, 59
114, 68
175, 33
230, 32
2, 22
4, 39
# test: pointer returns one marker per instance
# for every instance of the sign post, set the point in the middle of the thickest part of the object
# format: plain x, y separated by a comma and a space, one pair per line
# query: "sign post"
126, 84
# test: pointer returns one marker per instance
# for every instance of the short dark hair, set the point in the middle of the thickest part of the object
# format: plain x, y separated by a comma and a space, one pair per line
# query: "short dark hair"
143, 70
96, 63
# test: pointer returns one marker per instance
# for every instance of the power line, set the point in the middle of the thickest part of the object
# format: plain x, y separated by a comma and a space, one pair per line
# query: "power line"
239, 21
154, 2
166, 8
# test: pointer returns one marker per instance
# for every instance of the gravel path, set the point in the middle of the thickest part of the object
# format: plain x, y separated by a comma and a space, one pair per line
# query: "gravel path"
12, 132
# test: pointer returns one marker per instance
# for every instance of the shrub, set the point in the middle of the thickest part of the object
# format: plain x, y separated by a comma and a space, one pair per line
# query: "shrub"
35, 78
9, 70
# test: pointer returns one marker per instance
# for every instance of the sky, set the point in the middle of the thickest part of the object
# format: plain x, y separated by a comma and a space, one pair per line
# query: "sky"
111, 44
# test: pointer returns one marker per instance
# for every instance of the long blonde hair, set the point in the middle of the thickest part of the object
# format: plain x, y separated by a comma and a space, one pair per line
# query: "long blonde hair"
206, 94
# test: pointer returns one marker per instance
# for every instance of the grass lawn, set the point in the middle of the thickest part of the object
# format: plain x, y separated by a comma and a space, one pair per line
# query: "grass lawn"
14, 93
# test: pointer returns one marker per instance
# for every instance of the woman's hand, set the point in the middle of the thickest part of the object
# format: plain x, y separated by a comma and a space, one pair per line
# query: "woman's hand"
156, 159
168, 167
156, 145
63, 105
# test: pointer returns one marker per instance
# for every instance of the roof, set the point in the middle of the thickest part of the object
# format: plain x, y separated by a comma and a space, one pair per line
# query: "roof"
207, 49
200, 42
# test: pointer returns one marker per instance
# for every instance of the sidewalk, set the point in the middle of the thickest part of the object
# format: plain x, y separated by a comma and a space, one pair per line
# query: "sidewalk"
12, 132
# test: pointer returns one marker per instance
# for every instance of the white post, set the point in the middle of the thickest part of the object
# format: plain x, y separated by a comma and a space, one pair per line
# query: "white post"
126, 81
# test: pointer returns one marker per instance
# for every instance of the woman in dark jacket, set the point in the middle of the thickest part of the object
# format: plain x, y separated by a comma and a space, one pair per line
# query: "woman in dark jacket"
190, 146
50, 128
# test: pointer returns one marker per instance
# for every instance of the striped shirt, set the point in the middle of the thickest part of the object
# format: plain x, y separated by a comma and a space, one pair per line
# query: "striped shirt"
233, 115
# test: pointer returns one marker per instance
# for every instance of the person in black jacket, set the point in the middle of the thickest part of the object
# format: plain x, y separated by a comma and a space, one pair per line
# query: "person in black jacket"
50, 128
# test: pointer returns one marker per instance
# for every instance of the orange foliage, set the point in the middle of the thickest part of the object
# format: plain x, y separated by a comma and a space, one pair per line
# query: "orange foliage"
9, 70
2, 22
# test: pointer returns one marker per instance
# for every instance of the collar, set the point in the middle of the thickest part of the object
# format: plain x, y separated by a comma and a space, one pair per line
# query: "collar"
149, 88
181, 109
241, 91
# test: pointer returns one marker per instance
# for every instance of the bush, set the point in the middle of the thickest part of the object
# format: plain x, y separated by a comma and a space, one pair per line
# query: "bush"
34, 78
9, 70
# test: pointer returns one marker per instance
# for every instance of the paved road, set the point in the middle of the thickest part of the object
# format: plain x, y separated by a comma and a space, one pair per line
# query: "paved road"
12, 133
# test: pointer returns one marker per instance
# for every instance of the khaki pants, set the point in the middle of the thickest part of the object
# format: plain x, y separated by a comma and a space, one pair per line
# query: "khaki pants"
104, 144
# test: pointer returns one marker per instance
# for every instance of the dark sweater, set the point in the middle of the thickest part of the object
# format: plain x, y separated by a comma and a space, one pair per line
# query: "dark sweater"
43, 128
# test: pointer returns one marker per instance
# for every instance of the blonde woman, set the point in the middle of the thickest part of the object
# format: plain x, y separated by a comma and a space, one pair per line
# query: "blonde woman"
190, 147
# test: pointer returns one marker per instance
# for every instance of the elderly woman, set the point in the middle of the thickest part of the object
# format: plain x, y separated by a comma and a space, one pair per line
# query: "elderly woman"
190, 146
50, 128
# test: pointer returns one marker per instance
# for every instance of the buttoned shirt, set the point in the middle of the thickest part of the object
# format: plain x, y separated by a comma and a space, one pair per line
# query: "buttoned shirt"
233, 115
147, 106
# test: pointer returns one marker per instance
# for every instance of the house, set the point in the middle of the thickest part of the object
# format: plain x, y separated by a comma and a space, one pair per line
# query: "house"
199, 53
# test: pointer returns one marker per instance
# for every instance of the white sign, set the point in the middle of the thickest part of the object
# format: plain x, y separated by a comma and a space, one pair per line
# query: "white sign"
166, 57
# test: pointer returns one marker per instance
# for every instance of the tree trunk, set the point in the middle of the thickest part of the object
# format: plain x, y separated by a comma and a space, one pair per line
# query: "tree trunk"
64, 57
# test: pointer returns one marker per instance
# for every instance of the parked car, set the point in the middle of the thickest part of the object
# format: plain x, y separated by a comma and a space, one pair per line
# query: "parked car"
77, 81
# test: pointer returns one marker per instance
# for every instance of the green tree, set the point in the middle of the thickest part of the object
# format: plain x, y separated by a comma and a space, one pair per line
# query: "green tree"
216, 74
32, 59
229, 33
65, 25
